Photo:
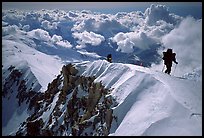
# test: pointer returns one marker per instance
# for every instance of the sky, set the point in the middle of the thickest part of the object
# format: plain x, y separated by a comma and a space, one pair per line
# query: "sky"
180, 8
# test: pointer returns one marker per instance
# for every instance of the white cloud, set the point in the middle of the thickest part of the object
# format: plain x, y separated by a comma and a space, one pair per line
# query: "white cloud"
26, 28
72, 14
107, 25
186, 42
159, 12
80, 46
130, 20
47, 25
10, 29
127, 41
88, 38
54, 25
56, 38
44, 36
39, 34
64, 43
160, 29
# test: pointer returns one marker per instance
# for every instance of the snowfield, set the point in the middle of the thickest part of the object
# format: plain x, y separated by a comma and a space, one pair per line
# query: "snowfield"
38, 70
44, 67
150, 102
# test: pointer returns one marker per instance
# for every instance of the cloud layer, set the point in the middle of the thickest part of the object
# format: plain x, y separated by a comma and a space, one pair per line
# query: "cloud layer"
88, 38
135, 33
128, 41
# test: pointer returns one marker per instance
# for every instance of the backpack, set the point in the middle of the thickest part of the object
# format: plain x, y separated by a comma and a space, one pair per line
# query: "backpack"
167, 54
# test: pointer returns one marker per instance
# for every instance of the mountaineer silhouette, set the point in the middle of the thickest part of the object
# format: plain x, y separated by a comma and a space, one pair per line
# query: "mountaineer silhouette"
168, 57
109, 58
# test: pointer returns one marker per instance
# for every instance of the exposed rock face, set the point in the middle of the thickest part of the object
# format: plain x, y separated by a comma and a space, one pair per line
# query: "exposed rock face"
68, 73
13, 77
15, 80
72, 105
34, 127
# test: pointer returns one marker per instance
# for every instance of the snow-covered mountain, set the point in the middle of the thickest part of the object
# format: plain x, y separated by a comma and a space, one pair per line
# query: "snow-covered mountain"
150, 102
142, 101
55, 80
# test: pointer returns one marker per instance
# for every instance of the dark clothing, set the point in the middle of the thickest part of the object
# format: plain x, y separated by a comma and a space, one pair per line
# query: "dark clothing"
109, 58
168, 57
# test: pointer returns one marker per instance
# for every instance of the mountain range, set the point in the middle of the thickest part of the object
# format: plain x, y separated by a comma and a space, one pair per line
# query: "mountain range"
56, 80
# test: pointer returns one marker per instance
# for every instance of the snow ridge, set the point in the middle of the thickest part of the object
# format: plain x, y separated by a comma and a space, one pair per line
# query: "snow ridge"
150, 102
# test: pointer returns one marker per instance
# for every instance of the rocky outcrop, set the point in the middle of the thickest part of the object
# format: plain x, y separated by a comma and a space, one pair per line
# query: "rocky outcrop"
81, 107
68, 73
13, 78
34, 127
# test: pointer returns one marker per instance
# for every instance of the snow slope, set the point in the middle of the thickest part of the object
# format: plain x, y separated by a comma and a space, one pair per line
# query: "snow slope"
15, 52
38, 69
150, 102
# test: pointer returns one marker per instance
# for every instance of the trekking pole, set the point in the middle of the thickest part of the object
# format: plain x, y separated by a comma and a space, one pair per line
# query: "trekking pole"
174, 70
163, 68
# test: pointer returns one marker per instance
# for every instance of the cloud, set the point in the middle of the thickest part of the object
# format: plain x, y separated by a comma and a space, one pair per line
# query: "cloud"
128, 41
56, 38
80, 46
44, 36
26, 28
129, 31
159, 12
46, 24
88, 38
39, 34
186, 41
64, 43
106, 25
10, 29
160, 29
130, 20
72, 14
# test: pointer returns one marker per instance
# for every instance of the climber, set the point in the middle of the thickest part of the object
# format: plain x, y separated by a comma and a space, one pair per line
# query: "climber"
168, 57
109, 58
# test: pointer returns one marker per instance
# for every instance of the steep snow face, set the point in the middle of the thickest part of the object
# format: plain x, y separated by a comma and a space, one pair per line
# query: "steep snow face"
150, 102
18, 85
17, 53
25, 71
